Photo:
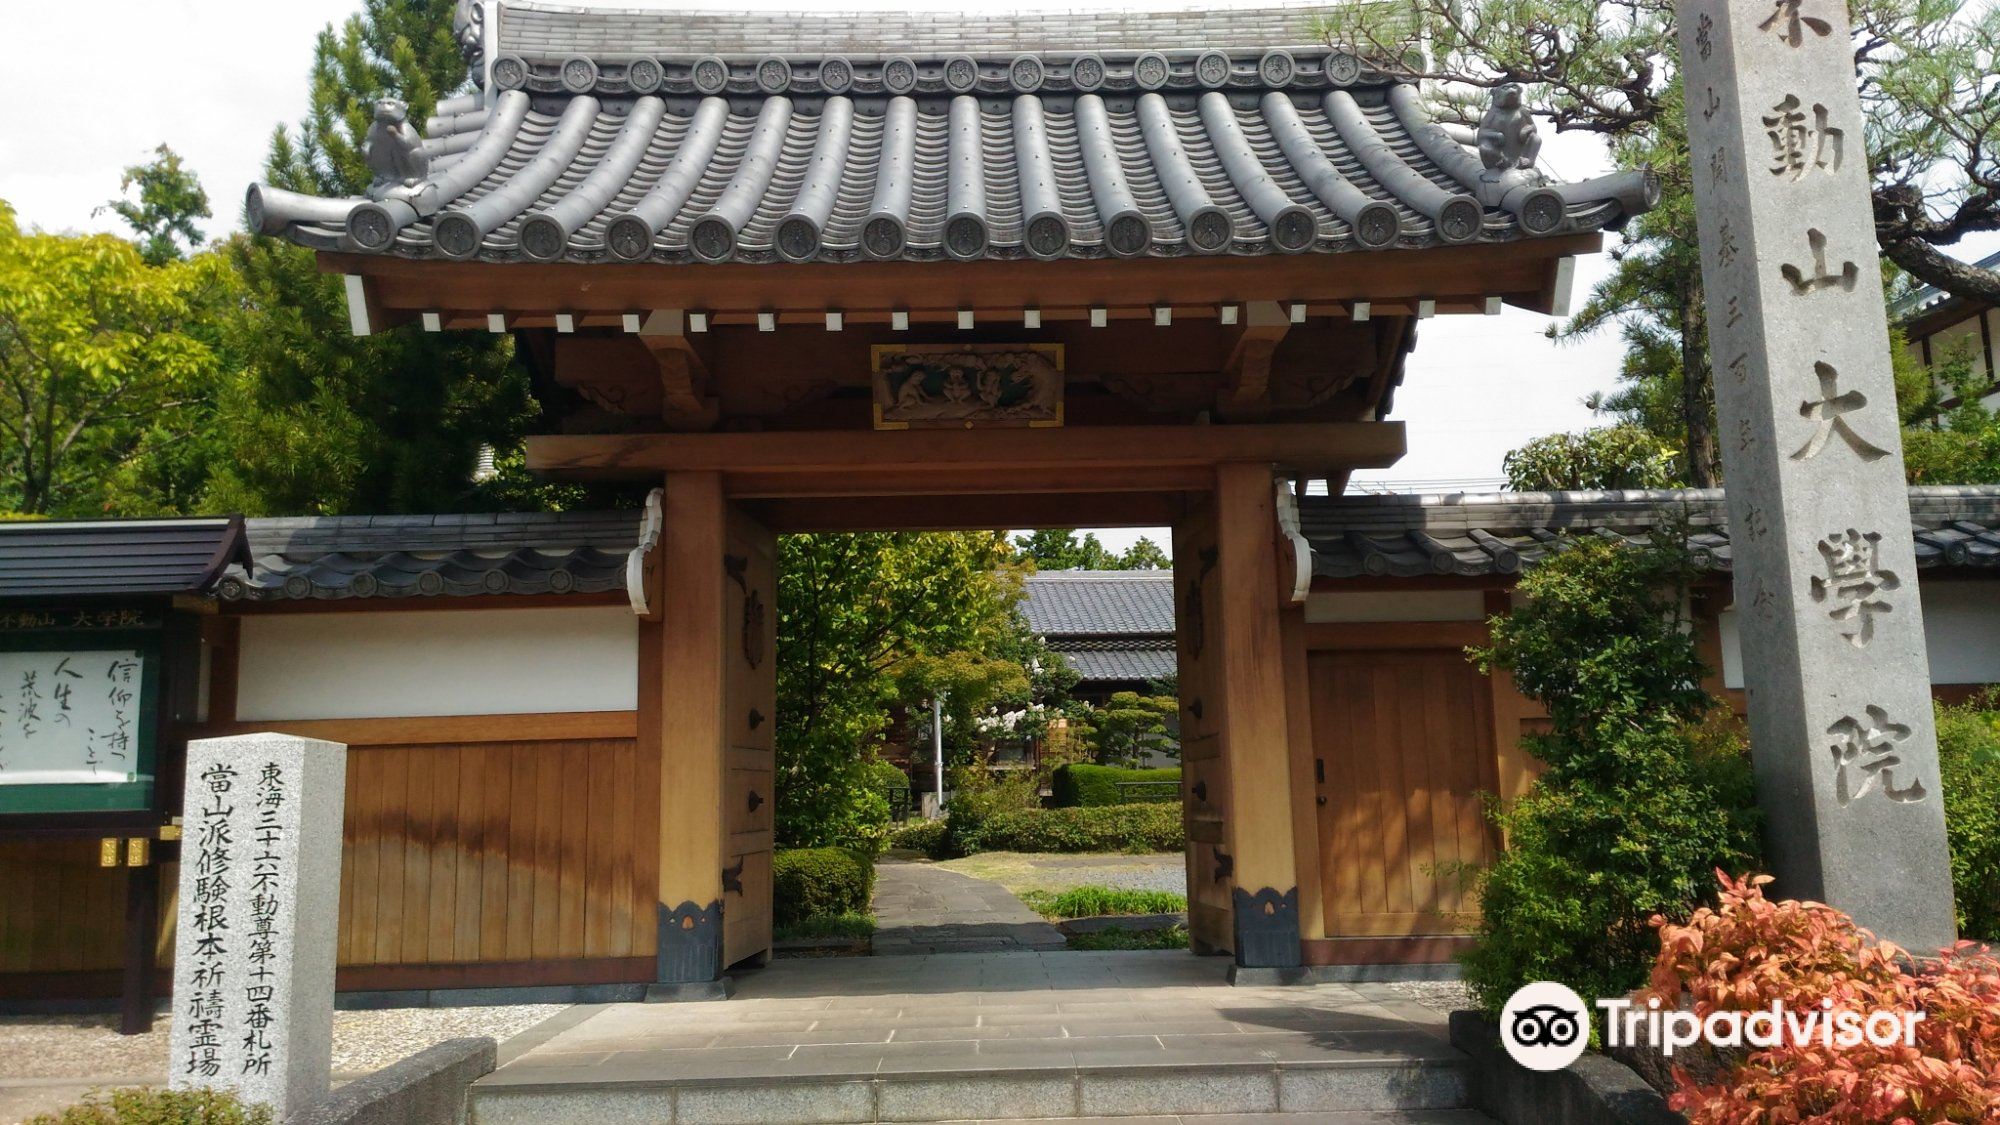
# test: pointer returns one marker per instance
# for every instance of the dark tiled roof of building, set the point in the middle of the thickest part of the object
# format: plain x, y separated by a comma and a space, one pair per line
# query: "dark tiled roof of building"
555, 32
1118, 658
1501, 533
1133, 139
332, 557
117, 558
1100, 603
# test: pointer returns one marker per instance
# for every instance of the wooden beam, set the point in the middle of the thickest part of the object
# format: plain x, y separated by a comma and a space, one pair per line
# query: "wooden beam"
1522, 271
921, 452
955, 480
967, 512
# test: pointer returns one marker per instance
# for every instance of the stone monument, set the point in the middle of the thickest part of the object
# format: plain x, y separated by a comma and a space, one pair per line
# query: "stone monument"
259, 911
1826, 578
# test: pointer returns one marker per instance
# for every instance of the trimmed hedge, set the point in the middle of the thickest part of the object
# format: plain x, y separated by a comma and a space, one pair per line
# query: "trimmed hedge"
1109, 828
926, 836
1079, 785
819, 882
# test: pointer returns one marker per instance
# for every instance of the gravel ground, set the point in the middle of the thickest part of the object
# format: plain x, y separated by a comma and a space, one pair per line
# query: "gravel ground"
1020, 871
89, 1047
1437, 995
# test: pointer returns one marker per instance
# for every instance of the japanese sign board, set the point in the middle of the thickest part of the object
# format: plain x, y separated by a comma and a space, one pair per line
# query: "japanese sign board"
78, 707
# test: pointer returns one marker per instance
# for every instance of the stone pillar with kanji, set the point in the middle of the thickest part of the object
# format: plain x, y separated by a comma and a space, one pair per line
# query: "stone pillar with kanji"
1825, 568
254, 946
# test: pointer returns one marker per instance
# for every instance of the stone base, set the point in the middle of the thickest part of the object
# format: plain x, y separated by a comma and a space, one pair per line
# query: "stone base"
1244, 977
692, 992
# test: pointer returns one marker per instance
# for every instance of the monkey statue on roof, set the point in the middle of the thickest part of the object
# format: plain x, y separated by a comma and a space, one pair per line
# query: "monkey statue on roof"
1508, 137
395, 151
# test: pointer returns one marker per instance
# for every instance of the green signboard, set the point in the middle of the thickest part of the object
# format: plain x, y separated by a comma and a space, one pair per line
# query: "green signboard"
79, 700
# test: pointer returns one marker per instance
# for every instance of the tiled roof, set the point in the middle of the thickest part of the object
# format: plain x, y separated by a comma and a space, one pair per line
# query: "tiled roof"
1119, 659
1500, 533
333, 557
1100, 603
1131, 141
116, 558
555, 32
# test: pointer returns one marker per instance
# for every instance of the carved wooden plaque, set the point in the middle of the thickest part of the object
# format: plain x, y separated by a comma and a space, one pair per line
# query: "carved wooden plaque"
959, 386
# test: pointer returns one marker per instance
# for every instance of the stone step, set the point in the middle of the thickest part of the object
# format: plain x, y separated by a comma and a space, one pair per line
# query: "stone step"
1210, 1093
1410, 1117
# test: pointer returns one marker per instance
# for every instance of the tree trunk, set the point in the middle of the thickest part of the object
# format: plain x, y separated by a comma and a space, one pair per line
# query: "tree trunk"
1697, 390
1928, 264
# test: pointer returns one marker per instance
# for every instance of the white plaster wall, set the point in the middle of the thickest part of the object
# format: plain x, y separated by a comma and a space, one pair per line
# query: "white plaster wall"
1961, 634
1395, 605
389, 664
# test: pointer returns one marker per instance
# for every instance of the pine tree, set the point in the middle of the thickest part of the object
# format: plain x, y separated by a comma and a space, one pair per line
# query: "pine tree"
325, 422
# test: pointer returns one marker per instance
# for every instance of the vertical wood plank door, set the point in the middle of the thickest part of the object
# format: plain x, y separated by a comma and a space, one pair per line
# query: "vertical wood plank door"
1402, 746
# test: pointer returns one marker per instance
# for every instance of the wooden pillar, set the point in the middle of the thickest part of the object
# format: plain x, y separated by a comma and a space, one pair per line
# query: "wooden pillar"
1302, 758
1256, 735
692, 734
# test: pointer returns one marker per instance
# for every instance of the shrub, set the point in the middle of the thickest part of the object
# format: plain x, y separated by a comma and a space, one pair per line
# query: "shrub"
1110, 828
1094, 902
1969, 765
978, 796
1080, 785
1647, 791
159, 1107
1750, 952
926, 836
819, 882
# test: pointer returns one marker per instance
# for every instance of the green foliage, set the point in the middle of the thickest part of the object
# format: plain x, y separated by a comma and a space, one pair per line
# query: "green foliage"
1646, 791
978, 795
1062, 549
1095, 902
931, 837
1969, 762
327, 422
820, 883
152, 1106
1950, 436
857, 925
97, 351
1110, 828
862, 621
170, 202
1604, 458
1173, 937
1126, 727
1925, 70
1078, 784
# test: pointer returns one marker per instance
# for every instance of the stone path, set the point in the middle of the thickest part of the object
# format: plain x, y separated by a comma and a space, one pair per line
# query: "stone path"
921, 908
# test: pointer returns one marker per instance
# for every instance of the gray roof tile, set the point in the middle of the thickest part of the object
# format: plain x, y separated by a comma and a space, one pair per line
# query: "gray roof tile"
1319, 154
1501, 533
335, 557
1066, 604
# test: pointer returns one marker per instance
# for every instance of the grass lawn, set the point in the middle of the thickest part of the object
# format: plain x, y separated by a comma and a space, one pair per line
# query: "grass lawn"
1092, 902
1029, 871
1173, 938
828, 926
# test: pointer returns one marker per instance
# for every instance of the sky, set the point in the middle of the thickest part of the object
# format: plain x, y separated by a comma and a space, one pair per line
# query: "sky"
230, 71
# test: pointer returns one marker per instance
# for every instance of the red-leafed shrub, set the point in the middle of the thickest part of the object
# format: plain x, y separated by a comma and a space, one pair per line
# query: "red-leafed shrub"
1749, 952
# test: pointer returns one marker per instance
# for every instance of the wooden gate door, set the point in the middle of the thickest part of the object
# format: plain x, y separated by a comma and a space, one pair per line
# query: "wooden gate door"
1402, 741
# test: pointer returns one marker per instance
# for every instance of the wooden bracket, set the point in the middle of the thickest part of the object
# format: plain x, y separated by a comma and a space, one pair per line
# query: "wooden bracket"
1246, 378
689, 402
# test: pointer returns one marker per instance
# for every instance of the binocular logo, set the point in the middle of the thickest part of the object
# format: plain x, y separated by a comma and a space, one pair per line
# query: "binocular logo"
1545, 1026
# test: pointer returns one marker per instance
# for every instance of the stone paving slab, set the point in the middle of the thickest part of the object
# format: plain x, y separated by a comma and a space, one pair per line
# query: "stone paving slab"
1021, 1035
